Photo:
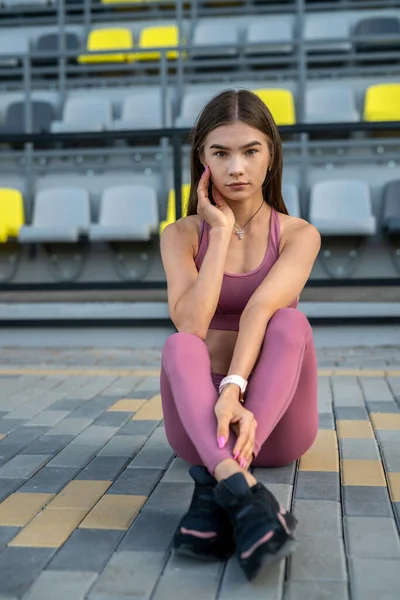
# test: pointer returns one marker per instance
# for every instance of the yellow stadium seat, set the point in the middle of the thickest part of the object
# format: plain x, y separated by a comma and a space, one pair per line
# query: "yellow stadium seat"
281, 104
382, 102
108, 39
11, 213
171, 206
158, 37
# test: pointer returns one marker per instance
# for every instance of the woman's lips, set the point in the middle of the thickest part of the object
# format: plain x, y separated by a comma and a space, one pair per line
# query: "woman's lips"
237, 185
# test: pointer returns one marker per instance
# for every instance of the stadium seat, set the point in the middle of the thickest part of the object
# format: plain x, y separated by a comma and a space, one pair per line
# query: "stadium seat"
49, 44
59, 215
382, 102
342, 207
171, 205
391, 207
192, 104
32, 3
330, 105
42, 116
276, 31
163, 36
127, 213
378, 28
208, 35
290, 195
85, 114
11, 213
108, 39
143, 111
280, 103
319, 28
13, 47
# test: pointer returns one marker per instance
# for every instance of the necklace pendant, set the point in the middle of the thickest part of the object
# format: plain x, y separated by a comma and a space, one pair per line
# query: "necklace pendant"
239, 233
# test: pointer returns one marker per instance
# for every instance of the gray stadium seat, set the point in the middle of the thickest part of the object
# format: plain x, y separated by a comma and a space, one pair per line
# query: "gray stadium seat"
391, 207
91, 113
13, 44
207, 35
42, 116
143, 111
49, 43
290, 195
33, 3
319, 28
330, 105
378, 28
277, 31
342, 207
127, 213
192, 104
59, 215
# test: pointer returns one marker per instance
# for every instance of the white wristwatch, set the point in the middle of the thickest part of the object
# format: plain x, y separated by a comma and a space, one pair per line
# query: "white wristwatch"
238, 380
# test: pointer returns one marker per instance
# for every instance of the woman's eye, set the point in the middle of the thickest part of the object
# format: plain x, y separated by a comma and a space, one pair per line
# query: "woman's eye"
252, 151
220, 154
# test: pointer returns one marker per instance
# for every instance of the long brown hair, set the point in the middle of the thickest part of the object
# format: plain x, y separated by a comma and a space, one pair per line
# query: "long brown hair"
227, 107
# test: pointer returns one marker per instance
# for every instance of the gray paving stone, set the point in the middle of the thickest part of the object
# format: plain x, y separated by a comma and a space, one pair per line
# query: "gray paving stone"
8, 486
112, 418
372, 578
7, 451
388, 439
178, 471
383, 407
326, 421
316, 590
391, 459
25, 435
152, 456
372, 537
95, 435
49, 418
86, 550
358, 449
351, 413
366, 501
23, 466
68, 585
19, 567
318, 518
199, 580
158, 437
278, 475
50, 480
68, 404
396, 509
149, 384
8, 425
135, 394
48, 444
346, 392
123, 445
376, 389
103, 468
6, 535
318, 559
128, 575
151, 531
317, 485
136, 481
170, 498
235, 586
138, 428
283, 492
74, 456
70, 426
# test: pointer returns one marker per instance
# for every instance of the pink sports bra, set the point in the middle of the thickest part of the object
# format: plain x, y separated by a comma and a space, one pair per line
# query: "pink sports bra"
237, 288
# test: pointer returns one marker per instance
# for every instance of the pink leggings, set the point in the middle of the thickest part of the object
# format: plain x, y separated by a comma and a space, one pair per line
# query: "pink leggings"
281, 393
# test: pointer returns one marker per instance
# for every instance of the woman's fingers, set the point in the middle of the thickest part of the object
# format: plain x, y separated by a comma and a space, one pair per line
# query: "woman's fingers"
243, 450
245, 432
202, 188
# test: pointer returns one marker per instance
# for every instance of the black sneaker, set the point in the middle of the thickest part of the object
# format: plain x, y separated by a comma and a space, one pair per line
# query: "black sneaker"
205, 530
263, 528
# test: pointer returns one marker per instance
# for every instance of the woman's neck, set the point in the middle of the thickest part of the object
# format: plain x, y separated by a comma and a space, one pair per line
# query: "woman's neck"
248, 208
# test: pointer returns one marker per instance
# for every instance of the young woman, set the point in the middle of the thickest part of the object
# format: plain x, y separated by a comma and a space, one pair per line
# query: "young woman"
239, 378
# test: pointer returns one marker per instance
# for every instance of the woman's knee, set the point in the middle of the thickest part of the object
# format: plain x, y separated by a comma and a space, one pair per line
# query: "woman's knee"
289, 323
182, 342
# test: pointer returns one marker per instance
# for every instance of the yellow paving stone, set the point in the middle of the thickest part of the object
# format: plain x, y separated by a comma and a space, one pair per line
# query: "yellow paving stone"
79, 494
325, 372
151, 411
127, 405
359, 372
362, 472
19, 508
49, 529
114, 511
394, 486
389, 421
323, 454
2, 436
354, 429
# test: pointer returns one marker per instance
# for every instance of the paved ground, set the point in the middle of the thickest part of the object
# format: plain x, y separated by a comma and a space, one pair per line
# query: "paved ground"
90, 492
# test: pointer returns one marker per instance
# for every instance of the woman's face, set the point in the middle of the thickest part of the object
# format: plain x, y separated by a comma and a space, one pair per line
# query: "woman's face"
237, 154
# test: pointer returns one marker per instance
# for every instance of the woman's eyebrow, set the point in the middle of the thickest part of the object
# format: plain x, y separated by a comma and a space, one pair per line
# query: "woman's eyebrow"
221, 147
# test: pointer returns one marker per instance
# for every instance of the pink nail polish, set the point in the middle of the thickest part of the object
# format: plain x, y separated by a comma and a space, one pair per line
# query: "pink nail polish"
236, 455
242, 462
221, 442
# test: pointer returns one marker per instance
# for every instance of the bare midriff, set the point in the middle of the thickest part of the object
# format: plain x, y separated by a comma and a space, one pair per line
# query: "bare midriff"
220, 344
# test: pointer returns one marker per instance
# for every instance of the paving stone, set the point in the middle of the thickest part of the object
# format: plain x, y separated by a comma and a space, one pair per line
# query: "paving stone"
318, 518
326, 421
50, 480
383, 407
103, 468
49, 444
152, 531
278, 475
235, 586
391, 459
48, 418
68, 585
23, 466
358, 449
7, 451
95, 435
70, 426
372, 578
388, 439
25, 435
128, 575
149, 384
74, 456
134, 394
136, 481
317, 485
178, 472
86, 550
8, 486
366, 501
372, 537
138, 428
316, 590
19, 567
6, 535
170, 498
68, 404
158, 437
318, 559
112, 419
152, 456
123, 445
346, 392
347, 413
8, 425
376, 389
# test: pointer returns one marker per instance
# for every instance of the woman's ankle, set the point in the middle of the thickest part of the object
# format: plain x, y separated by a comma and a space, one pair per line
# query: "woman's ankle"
229, 467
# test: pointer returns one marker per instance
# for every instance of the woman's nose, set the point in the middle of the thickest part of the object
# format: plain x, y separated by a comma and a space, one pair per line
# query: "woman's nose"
235, 167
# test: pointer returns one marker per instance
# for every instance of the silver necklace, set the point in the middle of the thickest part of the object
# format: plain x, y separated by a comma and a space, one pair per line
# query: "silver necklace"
240, 231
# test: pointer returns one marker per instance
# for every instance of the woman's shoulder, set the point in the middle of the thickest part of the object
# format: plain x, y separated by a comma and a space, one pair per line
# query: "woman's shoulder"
186, 229
292, 226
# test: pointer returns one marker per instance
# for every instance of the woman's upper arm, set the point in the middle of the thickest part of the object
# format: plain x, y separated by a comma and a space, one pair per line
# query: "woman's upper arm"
177, 258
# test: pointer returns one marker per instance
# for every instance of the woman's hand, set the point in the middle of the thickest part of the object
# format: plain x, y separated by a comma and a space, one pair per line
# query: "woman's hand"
232, 414
220, 215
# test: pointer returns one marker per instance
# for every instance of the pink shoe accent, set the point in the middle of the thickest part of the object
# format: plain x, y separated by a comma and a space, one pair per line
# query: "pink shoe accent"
199, 534
283, 523
282, 510
262, 540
